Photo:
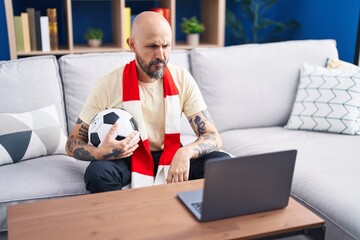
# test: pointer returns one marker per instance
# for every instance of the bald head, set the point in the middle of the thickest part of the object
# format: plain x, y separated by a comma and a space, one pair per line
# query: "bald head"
149, 25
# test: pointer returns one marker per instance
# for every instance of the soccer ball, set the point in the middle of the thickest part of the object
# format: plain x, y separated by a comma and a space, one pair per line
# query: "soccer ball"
104, 120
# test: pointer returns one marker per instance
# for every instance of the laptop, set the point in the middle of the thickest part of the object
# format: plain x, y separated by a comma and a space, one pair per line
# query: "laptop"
242, 185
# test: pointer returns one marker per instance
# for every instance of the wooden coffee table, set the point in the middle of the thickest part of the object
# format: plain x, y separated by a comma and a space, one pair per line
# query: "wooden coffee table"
148, 213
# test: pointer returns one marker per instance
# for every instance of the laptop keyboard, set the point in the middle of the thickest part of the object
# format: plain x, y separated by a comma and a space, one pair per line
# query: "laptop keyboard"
197, 206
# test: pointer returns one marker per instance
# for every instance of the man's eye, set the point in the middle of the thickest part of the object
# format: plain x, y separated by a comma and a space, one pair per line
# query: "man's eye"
153, 46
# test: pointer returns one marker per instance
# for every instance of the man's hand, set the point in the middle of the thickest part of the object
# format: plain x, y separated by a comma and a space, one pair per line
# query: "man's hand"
113, 149
180, 167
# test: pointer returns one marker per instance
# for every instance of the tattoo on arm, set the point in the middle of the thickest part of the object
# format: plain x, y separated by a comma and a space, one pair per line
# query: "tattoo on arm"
78, 121
115, 153
76, 145
206, 147
83, 131
82, 154
198, 122
198, 125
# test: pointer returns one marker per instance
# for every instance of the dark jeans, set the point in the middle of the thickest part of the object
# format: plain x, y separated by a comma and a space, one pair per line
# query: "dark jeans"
105, 175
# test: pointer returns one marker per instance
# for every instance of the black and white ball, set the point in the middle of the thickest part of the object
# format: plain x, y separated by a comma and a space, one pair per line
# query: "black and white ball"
104, 120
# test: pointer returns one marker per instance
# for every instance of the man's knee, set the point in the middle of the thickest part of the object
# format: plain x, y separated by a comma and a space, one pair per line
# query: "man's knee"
197, 165
102, 176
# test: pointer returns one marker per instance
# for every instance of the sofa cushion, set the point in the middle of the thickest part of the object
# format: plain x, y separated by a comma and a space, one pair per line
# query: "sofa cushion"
326, 171
31, 83
327, 100
80, 71
30, 134
40, 178
262, 91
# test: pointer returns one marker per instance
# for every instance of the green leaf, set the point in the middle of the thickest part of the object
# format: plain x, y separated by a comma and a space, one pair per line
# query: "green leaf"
192, 25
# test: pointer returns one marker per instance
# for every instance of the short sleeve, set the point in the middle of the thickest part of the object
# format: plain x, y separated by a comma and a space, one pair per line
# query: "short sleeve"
193, 101
106, 93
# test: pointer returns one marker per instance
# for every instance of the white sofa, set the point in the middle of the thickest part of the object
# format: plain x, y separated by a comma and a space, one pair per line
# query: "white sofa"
250, 92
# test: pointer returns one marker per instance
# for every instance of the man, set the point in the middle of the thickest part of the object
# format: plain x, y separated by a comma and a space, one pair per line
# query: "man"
155, 94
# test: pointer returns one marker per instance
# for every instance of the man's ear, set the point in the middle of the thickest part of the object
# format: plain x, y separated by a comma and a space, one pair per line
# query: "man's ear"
130, 44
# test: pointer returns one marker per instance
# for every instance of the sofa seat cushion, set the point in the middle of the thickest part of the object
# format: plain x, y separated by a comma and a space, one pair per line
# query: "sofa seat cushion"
40, 178
326, 172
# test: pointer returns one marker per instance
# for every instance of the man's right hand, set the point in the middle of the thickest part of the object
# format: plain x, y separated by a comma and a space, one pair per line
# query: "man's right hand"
111, 149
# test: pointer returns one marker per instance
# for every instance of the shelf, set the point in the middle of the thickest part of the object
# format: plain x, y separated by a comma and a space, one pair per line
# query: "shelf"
32, 53
183, 45
103, 48
75, 15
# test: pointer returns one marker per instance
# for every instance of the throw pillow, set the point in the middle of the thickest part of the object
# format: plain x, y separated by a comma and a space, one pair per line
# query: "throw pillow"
327, 100
30, 134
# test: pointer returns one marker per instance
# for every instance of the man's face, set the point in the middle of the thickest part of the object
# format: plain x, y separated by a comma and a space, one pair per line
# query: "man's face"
152, 55
153, 69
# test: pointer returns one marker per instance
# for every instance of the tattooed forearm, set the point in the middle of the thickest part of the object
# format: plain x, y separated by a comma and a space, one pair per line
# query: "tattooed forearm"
205, 148
76, 144
210, 137
82, 154
115, 153
72, 142
83, 131
208, 146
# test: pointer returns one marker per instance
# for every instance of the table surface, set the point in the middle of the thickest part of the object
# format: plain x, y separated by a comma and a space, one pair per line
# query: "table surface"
145, 213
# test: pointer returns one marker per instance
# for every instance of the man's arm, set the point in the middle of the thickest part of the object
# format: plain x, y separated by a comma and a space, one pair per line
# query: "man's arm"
110, 149
208, 141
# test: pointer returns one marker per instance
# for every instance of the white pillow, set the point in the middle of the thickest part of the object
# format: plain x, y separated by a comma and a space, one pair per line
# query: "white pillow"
30, 134
327, 100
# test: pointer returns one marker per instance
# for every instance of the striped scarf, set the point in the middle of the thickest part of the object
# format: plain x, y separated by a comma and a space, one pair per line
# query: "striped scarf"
142, 164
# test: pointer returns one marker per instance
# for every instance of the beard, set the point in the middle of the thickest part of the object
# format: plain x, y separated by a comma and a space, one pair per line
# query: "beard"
151, 70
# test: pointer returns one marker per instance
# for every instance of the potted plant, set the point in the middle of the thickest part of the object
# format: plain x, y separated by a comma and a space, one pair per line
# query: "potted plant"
94, 37
192, 27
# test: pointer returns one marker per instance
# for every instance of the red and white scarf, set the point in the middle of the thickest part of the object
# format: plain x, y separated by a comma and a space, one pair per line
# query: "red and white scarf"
142, 164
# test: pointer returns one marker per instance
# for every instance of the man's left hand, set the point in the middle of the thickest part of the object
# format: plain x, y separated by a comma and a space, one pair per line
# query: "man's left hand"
180, 166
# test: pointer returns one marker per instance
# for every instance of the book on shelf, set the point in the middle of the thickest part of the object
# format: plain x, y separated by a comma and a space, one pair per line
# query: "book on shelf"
163, 11
32, 28
45, 36
18, 34
38, 30
127, 25
26, 31
53, 28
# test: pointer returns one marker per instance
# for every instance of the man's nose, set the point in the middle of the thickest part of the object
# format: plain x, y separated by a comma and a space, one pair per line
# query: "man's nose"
160, 53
